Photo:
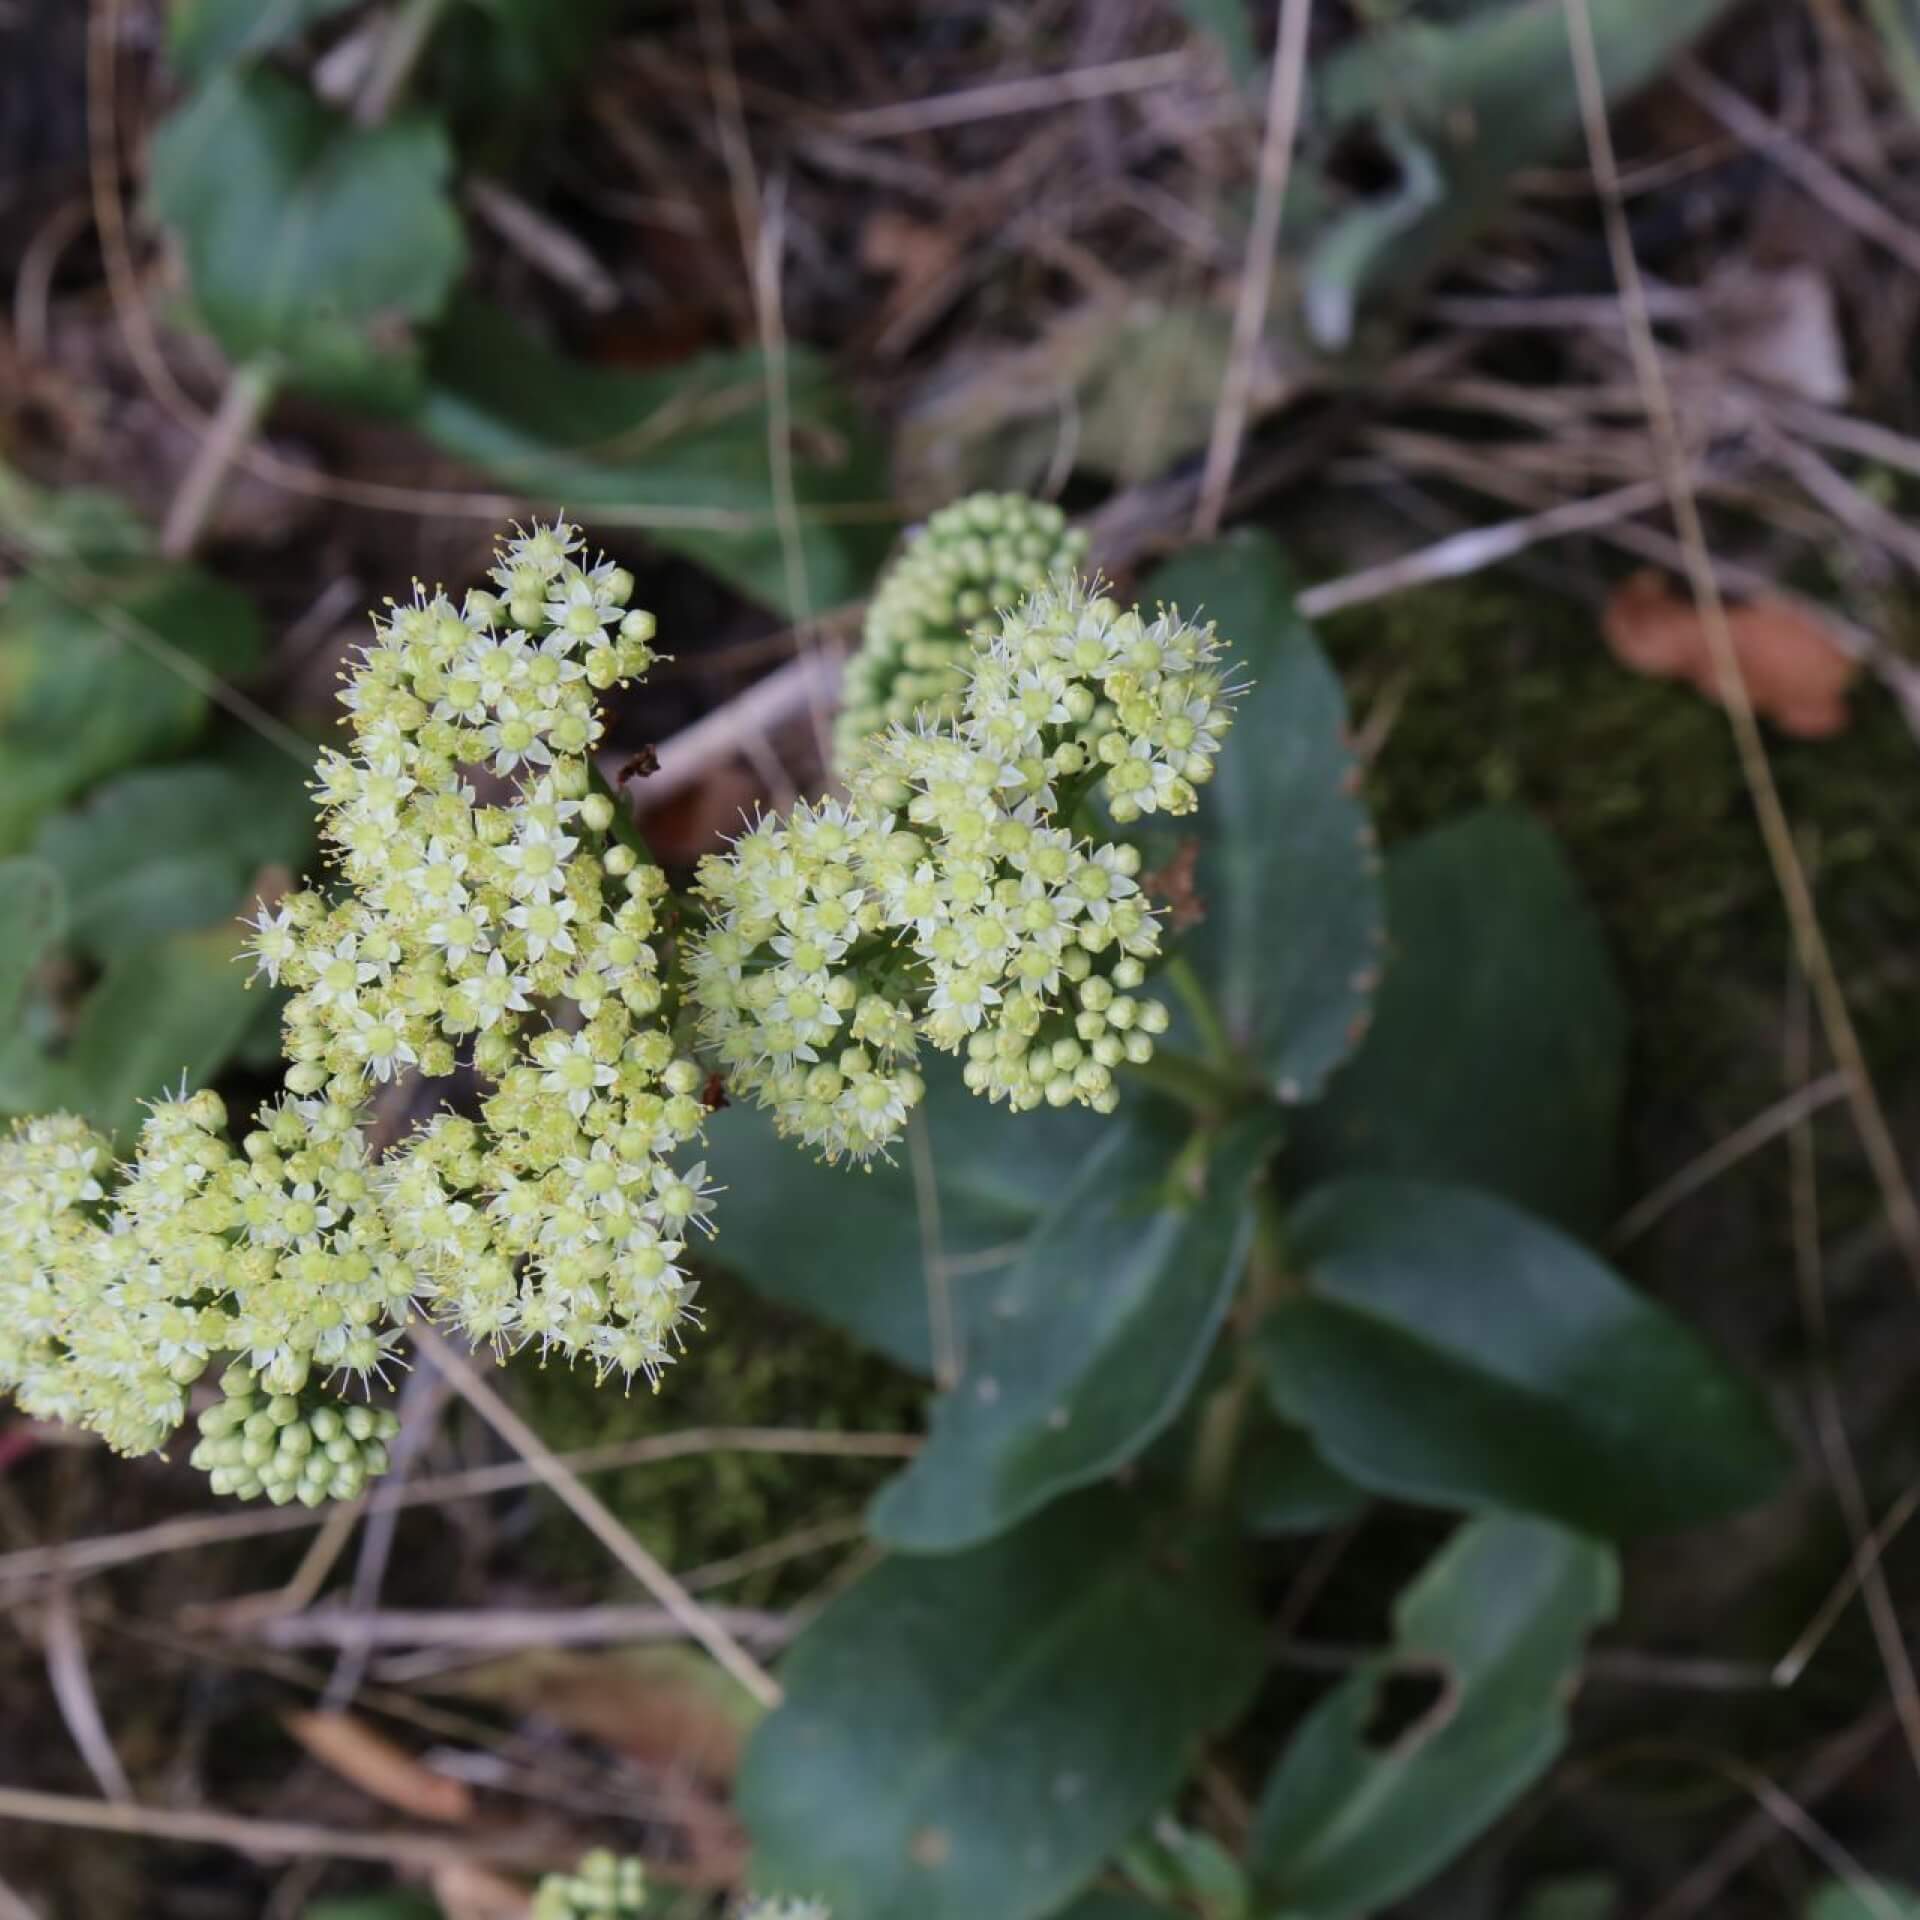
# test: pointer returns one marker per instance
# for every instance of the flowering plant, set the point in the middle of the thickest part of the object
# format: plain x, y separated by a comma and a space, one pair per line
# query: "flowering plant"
496, 922
1224, 1230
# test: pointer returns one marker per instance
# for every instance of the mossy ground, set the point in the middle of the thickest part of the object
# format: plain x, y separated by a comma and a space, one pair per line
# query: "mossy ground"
755, 1366
1508, 696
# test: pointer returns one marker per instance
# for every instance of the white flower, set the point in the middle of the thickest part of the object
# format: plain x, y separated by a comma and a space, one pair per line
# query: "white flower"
572, 1071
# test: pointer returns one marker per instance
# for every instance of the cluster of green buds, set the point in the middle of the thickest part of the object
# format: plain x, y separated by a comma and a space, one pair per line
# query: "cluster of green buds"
609, 1886
310, 1446
970, 559
951, 900
604, 1886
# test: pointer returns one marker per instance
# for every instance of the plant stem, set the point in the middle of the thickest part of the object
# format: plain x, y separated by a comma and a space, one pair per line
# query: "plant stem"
1204, 1089
1206, 1016
626, 829
1223, 1419
249, 391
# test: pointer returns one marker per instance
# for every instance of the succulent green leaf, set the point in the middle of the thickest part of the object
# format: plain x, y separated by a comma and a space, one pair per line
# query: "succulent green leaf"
1355, 1816
397, 1905
1290, 947
101, 670
1497, 1056
1450, 1349
1571, 1896
1115, 1906
1282, 1486
167, 849
1483, 96
203, 35
685, 449
1190, 1870
33, 915
312, 244
977, 1734
1863, 1900
1092, 1339
1230, 24
504, 63
850, 1248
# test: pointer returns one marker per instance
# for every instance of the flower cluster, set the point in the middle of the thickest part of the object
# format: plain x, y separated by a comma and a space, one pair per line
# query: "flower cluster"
92, 1326
604, 1886
512, 934
493, 925
607, 1886
799, 983
949, 902
508, 939
970, 559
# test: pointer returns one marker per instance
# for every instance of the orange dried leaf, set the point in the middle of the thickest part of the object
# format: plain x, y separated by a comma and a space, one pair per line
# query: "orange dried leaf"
1796, 673
349, 1747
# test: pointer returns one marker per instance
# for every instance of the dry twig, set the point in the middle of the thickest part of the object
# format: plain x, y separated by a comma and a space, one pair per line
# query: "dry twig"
1256, 272
1039, 93
593, 1513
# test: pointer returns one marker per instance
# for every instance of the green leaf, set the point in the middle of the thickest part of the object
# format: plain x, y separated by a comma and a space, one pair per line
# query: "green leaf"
1353, 1817
1282, 1486
76, 526
1497, 1055
1228, 22
1453, 1350
976, 1734
99, 671
1113, 1906
1863, 1900
1287, 873
1189, 1870
312, 244
203, 35
1480, 97
167, 849
33, 914
1899, 33
163, 1015
1571, 1896
397, 1905
505, 62
689, 443
1091, 1342
847, 1247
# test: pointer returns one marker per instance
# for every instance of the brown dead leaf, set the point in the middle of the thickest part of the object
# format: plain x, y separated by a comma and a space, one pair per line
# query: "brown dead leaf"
348, 1746
1796, 673
1174, 883
673, 1713
467, 1892
660, 1705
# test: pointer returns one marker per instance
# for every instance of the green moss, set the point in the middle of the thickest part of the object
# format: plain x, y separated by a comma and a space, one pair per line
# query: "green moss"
757, 1366
1508, 695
